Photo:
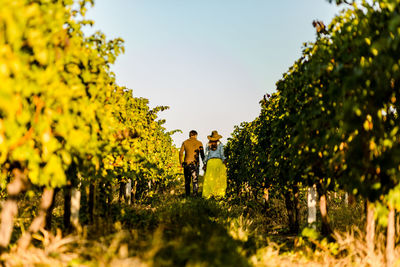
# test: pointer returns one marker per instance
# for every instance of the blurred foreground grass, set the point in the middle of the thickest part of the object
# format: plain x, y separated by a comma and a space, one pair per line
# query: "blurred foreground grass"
172, 230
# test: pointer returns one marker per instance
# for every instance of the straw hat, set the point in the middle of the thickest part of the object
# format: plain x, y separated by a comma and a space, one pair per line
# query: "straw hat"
214, 136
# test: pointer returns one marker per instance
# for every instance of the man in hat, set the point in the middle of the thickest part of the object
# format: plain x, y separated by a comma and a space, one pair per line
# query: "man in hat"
193, 150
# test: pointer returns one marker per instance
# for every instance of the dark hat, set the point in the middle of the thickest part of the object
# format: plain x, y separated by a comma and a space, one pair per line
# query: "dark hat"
214, 136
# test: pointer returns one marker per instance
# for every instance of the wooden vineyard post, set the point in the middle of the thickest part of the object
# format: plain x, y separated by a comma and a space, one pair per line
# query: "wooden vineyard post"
297, 206
91, 202
370, 227
128, 192
390, 238
40, 220
10, 206
266, 195
291, 206
49, 214
312, 205
75, 207
323, 207
133, 195
67, 206
121, 193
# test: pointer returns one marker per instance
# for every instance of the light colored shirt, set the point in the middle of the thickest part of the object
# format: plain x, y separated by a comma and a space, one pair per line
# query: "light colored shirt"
218, 153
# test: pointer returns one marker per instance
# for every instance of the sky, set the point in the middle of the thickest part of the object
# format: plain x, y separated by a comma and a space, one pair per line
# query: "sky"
210, 61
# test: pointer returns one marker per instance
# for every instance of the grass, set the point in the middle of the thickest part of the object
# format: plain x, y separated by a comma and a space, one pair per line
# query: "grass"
173, 230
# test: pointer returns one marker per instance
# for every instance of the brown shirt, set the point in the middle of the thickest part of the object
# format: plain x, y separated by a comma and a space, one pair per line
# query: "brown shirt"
193, 148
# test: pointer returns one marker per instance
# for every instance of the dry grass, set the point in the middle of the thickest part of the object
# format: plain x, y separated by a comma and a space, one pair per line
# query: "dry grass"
71, 251
349, 249
166, 233
54, 252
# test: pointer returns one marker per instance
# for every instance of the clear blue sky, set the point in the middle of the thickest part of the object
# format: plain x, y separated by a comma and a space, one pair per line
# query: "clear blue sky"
211, 61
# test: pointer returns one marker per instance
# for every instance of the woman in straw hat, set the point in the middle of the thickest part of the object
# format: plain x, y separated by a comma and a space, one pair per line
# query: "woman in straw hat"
215, 176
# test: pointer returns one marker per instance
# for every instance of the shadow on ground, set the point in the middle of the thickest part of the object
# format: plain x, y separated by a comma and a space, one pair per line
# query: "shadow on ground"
182, 232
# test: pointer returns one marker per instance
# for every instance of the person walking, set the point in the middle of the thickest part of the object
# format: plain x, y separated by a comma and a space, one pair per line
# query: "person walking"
215, 176
193, 150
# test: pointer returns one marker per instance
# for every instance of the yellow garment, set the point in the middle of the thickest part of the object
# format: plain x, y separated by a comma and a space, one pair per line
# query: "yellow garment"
214, 179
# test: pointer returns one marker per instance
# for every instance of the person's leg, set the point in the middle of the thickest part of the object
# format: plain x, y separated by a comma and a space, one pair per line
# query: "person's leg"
195, 179
188, 176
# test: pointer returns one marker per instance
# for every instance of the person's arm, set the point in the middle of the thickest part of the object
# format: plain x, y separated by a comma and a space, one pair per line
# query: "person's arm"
202, 152
222, 153
206, 156
181, 154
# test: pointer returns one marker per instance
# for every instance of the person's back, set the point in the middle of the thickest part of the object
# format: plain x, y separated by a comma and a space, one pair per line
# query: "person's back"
193, 150
215, 178
214, 149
